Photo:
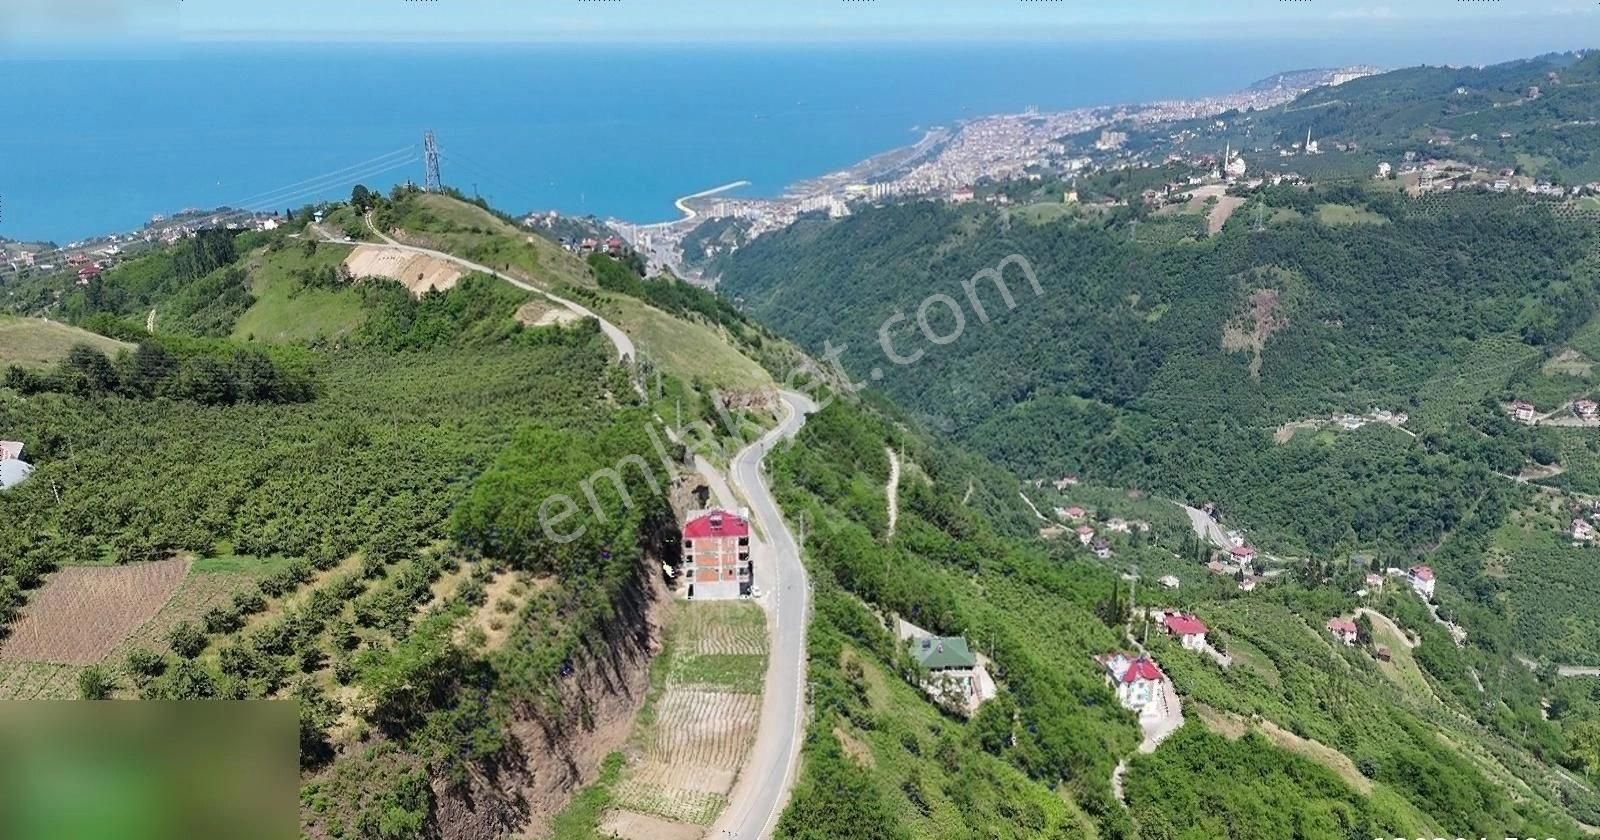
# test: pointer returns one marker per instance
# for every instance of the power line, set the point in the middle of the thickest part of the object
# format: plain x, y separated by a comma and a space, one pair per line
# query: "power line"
261, 197
317, 185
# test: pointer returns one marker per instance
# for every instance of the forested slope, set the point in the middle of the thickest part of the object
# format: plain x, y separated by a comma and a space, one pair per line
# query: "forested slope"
883, 761
1169, 367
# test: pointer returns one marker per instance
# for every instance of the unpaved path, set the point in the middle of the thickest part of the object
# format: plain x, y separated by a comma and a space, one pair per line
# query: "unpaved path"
618, 338
1029, 502
1380, 618
893, 489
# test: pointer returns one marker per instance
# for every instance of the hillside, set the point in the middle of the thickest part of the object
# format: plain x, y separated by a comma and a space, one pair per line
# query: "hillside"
1537, 115
309, 486
1301, 736
40, 343
1216, 368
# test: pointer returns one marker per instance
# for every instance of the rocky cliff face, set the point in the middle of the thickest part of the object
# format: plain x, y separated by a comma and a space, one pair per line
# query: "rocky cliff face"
552, 756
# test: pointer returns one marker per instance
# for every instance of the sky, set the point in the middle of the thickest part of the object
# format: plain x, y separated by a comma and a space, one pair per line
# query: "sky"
1565, 24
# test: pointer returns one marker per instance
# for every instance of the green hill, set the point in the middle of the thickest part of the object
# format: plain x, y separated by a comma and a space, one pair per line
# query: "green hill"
1173, 366
1536, 114
38, 343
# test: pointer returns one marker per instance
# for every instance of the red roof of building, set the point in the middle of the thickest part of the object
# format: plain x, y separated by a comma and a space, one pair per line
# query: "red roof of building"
1243, 551
1422, 572
716, 523
1143, 668
1341, 625
1184, 625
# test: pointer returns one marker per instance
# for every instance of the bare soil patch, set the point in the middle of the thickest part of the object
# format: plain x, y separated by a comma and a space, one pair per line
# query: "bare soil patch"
1250, 332
1220, 214
419, 273
1571, 363
503, 590
636, 826
540, 313
858, 752
82, 613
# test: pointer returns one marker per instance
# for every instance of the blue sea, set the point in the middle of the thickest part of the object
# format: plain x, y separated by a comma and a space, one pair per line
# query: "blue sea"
96, 143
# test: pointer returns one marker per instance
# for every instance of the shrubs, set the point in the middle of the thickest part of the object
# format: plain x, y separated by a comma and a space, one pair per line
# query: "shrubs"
249, 601
221, 620
186, 640
94, 683
145, 665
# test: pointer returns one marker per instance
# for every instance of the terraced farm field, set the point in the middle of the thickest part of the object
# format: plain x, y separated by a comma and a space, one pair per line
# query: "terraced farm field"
83, 613
211, 582
685, 757
38, 681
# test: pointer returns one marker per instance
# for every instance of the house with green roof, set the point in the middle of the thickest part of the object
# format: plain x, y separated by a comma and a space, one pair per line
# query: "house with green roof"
943, 653
952, 673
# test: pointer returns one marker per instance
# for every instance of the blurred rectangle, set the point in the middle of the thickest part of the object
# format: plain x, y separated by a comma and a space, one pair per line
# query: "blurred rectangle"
83, 770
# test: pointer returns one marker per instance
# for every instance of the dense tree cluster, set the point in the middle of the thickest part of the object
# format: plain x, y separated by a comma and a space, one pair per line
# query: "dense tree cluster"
203, 372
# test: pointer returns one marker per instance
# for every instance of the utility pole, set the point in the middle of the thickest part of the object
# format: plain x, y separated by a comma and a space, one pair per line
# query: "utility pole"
430, 157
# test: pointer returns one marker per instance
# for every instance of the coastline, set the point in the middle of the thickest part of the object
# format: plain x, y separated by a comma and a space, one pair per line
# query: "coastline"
689, 213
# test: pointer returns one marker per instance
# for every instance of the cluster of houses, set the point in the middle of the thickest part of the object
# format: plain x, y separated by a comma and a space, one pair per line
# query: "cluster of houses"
716, 561
1088, 536
13, 470
612, 246
1137, 679
1584, 409
1240, 561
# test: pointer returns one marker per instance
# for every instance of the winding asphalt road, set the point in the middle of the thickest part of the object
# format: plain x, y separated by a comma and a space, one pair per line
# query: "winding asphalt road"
769, 771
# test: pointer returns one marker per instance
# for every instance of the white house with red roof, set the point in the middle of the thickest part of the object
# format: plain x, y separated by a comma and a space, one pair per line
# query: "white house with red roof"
1522, 410
1085, 534
1421, 578
1137, 680
716, 555
1585, 409
1582, 530
1073, 513
1244, 555
1342, 629
1190, 631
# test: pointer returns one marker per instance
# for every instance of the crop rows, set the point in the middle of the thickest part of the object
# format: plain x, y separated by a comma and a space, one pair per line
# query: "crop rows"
38, 681
84, 612
694, 807
734, 627
199, 592
703, 728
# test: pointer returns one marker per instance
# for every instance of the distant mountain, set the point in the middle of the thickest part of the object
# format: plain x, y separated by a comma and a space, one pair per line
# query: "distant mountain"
1540, 116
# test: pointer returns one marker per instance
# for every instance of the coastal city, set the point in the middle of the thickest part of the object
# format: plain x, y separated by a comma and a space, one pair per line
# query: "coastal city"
948, 163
